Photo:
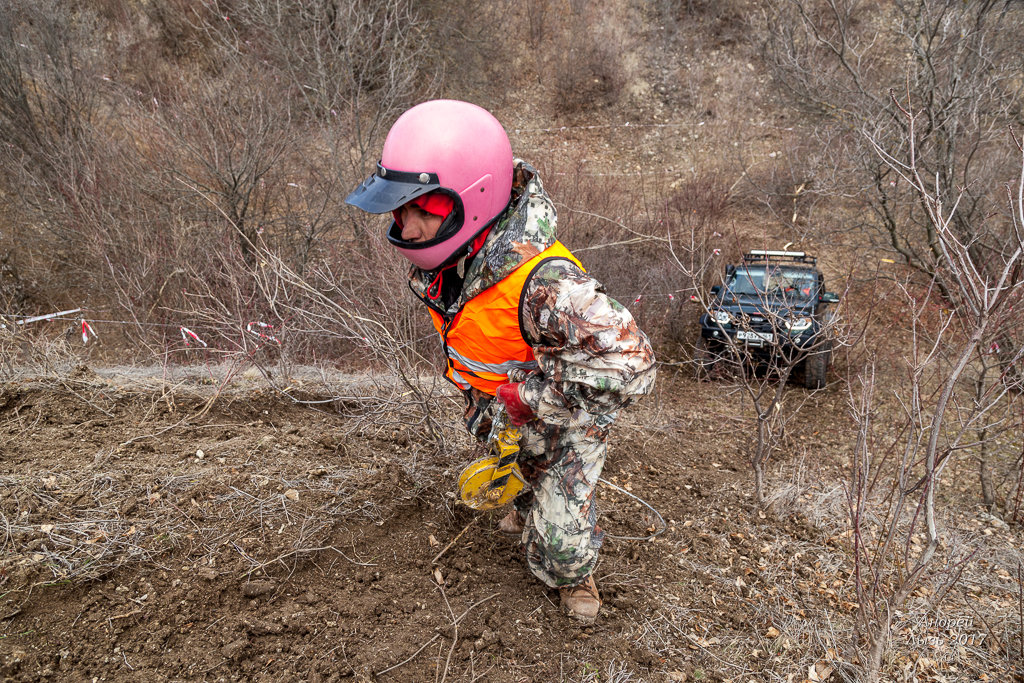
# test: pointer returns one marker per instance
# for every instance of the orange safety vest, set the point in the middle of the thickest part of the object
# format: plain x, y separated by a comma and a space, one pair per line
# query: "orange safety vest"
484, 340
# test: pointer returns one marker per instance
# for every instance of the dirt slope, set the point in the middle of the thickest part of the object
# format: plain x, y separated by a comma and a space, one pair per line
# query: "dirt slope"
298, 549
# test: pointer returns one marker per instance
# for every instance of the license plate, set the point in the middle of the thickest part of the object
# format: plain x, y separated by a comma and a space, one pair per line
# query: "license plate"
757, 337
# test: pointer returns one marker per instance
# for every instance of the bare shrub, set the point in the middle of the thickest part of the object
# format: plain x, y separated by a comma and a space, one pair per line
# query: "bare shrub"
12, 287
216, 215
90, 216
587, 76
959, 65
692, 218
375, 328
630, 231
156, 194
38, 351
53, 133
838, 61
761, 379
352, 66
722, 22
222, 149
895, 507
804, 188
588, 72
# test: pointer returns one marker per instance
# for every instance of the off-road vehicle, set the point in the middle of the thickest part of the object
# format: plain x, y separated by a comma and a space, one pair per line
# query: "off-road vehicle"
772, 308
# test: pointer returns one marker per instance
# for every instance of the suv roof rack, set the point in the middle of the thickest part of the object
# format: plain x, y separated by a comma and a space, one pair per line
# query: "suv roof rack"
774, 255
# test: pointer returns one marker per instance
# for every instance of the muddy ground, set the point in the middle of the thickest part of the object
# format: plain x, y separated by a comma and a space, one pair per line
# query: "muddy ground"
164, 531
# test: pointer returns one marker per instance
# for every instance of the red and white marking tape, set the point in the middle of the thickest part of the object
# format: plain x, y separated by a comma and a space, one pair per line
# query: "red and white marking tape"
186, 334
86, 331
266, 335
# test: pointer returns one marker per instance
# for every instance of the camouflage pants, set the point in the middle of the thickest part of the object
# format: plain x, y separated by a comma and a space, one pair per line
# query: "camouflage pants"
562, 466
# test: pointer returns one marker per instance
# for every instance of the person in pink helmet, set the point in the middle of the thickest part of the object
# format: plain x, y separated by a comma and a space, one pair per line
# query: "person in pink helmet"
520, 321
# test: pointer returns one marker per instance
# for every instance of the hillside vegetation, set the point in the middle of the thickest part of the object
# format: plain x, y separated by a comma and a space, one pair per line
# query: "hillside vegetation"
217, 448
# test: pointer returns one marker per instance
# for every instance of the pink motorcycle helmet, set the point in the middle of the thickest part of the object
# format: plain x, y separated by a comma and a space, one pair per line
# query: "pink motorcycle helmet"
448, 146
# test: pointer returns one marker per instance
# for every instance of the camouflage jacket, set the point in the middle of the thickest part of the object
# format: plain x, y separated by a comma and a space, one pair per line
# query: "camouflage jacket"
591, 354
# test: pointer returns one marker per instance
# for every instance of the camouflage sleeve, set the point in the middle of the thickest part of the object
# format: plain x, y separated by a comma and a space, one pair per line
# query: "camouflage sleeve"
592, 355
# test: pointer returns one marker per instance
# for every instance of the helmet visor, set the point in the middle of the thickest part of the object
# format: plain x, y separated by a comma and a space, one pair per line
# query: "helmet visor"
386, 190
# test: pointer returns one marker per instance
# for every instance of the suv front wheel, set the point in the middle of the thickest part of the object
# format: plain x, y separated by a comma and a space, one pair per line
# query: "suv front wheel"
816, 366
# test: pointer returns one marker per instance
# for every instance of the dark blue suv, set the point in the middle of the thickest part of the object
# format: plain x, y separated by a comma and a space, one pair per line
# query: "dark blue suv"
771, 308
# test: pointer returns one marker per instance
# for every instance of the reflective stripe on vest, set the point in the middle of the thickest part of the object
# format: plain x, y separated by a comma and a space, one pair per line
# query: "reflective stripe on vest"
484, 340
479, 366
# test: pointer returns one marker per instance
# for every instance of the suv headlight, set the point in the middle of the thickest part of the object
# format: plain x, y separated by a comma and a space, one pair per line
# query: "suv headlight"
798, 324
722, 317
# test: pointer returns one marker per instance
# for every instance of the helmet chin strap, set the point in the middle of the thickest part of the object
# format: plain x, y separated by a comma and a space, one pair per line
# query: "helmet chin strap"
474, 247
434, 288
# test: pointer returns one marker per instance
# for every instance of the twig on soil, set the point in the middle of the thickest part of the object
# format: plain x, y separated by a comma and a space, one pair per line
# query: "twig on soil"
436, 636
474, 676
300, 551
154, 434
126, 615
452, 542
15, 437
179, 423
411, 657
83, 398
215, 621
645, 504
455, 632
440, 649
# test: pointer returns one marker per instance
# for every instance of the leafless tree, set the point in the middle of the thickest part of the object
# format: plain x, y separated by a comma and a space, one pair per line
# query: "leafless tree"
83, 213
222, 152
898, 469
345, 70
47, 105
837, 60
162, 190
51, 120
766, 326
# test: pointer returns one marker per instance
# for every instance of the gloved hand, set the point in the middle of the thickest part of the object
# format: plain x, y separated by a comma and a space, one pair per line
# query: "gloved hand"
478, 423
518, 412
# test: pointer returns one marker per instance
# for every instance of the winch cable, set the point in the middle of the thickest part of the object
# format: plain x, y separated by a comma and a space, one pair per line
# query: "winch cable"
642, 502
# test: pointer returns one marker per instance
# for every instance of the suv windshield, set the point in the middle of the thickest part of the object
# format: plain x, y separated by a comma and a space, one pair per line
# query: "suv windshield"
772, 281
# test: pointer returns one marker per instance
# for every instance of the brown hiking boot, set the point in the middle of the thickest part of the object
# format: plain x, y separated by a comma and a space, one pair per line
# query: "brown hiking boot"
513, 523
582, 600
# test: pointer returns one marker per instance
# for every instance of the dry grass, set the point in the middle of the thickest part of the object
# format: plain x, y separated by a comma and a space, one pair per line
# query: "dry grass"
759, 598
264, 501
980, 555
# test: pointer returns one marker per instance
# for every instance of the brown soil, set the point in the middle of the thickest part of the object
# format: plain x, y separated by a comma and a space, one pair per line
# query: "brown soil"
300, 547
155, 529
